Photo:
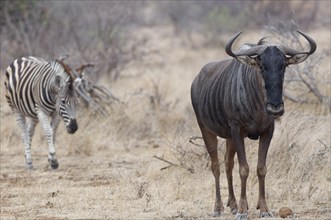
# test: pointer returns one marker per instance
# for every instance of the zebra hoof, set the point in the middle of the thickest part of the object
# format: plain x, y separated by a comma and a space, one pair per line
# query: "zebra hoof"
54, 164
29, 167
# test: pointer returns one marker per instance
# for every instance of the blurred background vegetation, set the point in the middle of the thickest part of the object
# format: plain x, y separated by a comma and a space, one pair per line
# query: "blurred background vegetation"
106, 32
109, 33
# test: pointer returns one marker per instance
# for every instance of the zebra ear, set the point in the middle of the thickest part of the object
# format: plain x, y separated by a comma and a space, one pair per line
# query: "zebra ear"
77, 82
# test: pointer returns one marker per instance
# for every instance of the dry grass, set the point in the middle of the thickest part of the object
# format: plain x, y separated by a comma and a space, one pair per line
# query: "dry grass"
110, 168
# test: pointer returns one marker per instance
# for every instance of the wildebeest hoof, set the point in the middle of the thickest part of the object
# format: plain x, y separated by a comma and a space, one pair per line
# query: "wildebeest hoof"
266, 215
54, 164
241, 216
234, 211
215, 214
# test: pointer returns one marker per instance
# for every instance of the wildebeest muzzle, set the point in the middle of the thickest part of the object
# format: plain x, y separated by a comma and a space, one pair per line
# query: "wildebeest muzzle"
275, 110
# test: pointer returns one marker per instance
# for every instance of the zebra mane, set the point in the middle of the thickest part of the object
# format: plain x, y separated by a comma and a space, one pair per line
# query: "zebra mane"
58, 65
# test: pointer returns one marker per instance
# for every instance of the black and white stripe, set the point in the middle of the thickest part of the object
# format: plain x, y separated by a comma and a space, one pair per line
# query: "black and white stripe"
38, 90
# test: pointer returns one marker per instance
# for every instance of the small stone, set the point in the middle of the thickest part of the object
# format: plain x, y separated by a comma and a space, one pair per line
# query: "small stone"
285, 212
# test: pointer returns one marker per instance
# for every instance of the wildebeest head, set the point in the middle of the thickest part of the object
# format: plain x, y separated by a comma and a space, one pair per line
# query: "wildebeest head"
272, 61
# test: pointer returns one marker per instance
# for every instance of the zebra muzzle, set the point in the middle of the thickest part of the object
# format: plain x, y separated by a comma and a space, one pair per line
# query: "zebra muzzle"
72, 126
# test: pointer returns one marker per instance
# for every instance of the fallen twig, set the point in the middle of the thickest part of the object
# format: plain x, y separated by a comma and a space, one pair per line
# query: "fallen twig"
173, 164
164, 160
323, 151
192, 139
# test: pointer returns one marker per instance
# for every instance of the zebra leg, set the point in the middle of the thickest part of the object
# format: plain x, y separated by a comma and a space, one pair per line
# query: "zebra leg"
54, 123
43, 118
20, 118
31, 128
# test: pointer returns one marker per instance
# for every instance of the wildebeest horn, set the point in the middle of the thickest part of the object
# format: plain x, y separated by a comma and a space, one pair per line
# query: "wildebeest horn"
228, 45
256, 50
292, 52
262, 41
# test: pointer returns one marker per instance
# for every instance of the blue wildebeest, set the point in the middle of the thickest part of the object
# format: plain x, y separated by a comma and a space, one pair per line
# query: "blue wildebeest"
240, 98
37, 89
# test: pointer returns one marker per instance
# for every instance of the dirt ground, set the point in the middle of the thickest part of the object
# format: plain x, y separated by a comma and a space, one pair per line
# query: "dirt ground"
139, 164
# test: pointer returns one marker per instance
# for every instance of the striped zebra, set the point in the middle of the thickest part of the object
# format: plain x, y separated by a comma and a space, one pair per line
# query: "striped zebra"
37, 90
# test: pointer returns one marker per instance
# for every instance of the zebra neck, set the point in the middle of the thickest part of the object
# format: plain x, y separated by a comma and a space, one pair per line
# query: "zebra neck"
56, 66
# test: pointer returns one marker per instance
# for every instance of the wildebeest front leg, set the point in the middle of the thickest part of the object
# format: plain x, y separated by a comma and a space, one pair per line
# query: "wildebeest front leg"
238, 141
264, 143
210, 140
229, 162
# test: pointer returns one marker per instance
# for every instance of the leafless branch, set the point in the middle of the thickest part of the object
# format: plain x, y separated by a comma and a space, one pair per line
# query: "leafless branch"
96, 97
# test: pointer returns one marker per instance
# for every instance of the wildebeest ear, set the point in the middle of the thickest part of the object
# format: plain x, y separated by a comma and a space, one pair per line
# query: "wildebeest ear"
298, 58
248, 60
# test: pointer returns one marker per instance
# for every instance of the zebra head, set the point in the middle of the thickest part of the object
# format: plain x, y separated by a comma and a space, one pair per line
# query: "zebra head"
66, 101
